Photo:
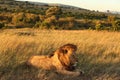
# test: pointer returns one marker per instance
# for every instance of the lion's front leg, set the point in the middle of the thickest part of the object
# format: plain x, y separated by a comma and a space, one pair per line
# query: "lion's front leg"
70, 73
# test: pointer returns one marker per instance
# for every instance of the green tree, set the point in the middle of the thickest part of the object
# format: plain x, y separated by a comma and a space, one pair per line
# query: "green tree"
2, 25
51, 17
117, 25
98, 25
56, 11
111, 19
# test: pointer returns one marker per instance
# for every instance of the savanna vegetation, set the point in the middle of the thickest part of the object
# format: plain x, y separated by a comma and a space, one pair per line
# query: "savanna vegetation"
16, 14
46, 29
98, 53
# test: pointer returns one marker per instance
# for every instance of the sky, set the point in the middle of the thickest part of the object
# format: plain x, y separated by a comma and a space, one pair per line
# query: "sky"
100, 5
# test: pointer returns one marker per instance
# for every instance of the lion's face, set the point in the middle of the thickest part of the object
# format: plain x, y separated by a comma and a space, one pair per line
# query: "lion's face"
67, 56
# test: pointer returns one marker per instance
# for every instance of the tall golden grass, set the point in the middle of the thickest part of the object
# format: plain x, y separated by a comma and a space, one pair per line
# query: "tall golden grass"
98, 52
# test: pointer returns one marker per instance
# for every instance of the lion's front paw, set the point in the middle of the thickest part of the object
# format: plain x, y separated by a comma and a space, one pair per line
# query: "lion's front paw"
81, 73
78, 73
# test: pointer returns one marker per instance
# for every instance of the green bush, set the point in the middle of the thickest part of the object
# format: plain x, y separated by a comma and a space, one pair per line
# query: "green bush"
2, 25
98, 26
44, 25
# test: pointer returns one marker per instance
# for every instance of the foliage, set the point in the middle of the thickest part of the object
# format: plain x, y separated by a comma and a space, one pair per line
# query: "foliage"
56, 11
31, 15
2, 25
98, 25
114, 23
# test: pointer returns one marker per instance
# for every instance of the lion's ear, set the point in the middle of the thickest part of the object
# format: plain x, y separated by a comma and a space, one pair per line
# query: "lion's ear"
65, 51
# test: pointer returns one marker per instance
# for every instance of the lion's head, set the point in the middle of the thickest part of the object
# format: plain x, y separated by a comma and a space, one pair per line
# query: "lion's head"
67, 56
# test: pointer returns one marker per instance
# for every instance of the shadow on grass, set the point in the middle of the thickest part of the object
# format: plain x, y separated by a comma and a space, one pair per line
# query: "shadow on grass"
20, 72
100, 70
25, 72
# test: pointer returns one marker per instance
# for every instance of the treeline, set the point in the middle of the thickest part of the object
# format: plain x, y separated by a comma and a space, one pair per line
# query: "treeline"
14, 14
40, 8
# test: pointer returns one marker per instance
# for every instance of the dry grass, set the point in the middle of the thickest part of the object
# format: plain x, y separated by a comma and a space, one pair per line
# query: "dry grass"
98, 52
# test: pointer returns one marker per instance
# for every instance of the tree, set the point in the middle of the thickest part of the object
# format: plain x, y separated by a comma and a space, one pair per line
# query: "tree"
111, 19
118, 24
2, 25
56, 11
51, 17
98, 25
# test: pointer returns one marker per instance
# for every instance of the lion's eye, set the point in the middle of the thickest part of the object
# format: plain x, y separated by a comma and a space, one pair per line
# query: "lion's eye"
65, 51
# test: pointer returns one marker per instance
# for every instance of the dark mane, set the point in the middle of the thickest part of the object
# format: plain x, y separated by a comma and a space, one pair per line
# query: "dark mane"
63, 49
70, 46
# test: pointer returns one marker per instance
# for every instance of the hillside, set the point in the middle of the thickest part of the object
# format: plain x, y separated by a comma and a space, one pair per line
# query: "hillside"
35, 7
18, 14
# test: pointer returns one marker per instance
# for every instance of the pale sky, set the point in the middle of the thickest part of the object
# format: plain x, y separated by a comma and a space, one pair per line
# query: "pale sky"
101, 5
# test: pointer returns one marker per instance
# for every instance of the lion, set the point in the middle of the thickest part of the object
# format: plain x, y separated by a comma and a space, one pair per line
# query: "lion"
63, 60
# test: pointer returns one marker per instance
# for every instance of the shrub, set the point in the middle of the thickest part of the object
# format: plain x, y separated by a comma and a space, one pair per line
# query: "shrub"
2, 25
98, 25
44, 25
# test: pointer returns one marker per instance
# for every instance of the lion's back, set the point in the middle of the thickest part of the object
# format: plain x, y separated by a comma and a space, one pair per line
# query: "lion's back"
40, 62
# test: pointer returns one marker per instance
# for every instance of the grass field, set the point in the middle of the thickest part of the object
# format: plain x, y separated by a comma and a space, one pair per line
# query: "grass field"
98, 53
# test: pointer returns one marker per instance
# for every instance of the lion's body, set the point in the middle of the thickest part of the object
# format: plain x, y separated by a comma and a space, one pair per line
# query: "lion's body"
62, 60
41, 62
45, 62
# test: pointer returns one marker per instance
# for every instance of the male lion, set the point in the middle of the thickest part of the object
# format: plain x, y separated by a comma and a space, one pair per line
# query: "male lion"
63, 60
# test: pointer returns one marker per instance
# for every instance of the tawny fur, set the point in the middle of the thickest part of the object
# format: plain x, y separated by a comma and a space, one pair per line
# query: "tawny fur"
62, 60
